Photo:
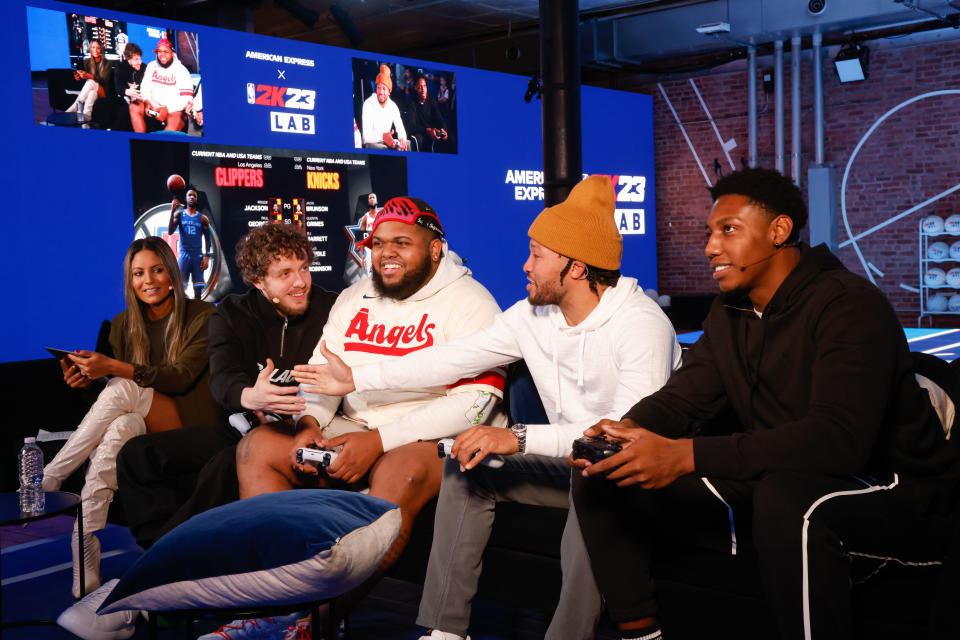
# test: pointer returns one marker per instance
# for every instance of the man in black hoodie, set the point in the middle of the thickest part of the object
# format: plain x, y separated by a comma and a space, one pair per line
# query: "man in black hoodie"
127, 76
256, 338
835, 451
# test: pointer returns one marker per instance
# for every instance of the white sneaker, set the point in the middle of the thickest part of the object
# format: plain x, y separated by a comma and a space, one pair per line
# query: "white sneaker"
299, 630
82, 619
436, 634
273, 627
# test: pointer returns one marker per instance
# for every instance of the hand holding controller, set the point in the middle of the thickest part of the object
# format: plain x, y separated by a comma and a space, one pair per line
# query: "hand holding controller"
595, 449
445, 446
316, 457
243, 421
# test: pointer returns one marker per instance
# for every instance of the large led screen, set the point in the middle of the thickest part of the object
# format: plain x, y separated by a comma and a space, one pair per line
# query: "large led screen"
77, 189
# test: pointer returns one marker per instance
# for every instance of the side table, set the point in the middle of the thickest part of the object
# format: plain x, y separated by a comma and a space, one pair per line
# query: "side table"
64, 119
57, 503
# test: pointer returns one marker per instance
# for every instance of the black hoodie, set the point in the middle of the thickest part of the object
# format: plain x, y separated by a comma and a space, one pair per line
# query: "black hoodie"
822, 383
246, 329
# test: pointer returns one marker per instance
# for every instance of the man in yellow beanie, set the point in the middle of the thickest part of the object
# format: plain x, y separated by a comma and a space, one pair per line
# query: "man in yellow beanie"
380, 117
593, 342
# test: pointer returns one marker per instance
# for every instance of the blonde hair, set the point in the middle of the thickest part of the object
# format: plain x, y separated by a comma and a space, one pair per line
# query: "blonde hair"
136, 343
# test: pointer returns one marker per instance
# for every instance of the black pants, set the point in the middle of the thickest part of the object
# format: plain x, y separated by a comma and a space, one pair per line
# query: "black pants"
804, 528
165, 478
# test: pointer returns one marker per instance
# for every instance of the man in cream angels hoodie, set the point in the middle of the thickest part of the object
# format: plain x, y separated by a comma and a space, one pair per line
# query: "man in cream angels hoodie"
419, 295
593, 342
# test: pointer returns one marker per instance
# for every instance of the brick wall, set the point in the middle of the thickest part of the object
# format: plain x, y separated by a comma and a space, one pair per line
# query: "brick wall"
912, 156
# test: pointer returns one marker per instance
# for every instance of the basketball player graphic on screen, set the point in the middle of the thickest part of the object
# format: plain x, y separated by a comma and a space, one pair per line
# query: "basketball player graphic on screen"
366, 226
194, 228
276, 213
298, 218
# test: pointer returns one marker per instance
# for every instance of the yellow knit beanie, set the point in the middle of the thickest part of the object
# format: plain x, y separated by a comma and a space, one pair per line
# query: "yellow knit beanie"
384, 78
582, 226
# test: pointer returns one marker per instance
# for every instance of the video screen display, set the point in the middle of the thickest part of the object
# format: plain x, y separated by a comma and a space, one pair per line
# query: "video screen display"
96, 72
325, 194
404, 107
111, 35
76, 187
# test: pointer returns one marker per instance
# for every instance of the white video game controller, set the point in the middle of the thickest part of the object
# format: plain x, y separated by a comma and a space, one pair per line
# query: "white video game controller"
494, 460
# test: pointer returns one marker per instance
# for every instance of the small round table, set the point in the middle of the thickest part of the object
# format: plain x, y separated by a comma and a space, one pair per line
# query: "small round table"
67, 119
57, 503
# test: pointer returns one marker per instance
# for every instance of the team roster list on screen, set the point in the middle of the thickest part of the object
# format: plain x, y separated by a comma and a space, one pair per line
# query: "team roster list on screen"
323, 195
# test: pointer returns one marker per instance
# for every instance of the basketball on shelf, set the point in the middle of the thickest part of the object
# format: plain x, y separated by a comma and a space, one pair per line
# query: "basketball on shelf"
953, 304
175, 183
938, 251
932, 225
952, 225
955, 250
934, 277
953, 278
937, 302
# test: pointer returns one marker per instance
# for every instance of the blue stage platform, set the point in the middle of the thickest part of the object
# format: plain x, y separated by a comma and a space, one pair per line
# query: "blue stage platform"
943, 343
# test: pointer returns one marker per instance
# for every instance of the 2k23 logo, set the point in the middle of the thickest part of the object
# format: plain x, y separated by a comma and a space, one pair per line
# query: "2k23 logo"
629, 214
286, 97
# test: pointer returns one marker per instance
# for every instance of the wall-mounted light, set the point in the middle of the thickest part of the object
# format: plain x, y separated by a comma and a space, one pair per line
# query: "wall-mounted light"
534, 88
852, 62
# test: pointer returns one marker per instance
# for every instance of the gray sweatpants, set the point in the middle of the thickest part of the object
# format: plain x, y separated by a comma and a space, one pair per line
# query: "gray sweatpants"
465, 515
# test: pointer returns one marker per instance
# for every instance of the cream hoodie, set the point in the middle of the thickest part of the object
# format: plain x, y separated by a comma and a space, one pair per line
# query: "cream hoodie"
623, 351
364, 328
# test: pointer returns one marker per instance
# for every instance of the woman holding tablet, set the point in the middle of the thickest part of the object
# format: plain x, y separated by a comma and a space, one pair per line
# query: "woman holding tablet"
159, 382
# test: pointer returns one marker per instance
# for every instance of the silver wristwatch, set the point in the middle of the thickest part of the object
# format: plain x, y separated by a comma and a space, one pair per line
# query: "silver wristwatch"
520, 430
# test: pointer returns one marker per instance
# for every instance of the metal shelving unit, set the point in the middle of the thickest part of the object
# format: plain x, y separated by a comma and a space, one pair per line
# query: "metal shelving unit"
926, 290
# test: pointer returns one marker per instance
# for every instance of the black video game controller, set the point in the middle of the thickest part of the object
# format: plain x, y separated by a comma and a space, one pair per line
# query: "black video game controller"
595, 449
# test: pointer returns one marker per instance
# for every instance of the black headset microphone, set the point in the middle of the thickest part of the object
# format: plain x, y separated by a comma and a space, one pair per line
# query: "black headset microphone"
776, 247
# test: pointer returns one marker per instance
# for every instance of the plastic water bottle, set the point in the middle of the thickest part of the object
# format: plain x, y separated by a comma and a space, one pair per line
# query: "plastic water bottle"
80, 111
32, 498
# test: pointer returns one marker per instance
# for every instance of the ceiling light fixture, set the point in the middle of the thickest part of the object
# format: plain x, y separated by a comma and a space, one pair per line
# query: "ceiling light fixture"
711, 28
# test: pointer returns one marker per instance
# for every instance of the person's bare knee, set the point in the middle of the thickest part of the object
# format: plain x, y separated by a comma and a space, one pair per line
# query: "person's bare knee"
137, 121
408, 476
175, 121
263, 461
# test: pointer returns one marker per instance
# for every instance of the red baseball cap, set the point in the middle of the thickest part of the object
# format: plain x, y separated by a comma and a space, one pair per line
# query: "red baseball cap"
163, 42
407, 210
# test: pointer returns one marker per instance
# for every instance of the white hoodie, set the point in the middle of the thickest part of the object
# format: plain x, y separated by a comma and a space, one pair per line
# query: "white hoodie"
170, 87
623, 351
365, 328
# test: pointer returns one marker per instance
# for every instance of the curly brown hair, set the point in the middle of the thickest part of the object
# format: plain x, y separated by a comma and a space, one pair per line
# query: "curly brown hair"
263, 245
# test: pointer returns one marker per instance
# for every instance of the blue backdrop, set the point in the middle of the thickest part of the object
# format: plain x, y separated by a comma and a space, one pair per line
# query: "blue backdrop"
69, 206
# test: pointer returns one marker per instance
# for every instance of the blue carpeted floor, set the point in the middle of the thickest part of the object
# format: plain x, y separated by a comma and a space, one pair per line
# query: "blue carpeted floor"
36, 572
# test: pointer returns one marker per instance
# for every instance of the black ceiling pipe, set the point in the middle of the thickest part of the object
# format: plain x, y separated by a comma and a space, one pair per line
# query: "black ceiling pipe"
560, 71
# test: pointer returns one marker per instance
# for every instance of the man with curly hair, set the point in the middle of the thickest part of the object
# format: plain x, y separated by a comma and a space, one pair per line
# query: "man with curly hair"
256, 338
834, 452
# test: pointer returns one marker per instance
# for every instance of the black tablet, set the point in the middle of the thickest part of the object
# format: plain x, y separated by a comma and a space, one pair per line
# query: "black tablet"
59, 354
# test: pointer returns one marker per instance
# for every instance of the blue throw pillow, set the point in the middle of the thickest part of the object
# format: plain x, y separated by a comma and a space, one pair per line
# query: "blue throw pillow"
273, 549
